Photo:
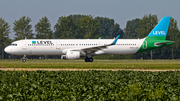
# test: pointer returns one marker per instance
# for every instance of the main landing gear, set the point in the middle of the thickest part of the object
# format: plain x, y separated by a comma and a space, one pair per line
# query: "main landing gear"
88, 59
24, 58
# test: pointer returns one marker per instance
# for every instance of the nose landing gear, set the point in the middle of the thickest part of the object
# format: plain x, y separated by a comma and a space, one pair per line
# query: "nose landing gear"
24, 58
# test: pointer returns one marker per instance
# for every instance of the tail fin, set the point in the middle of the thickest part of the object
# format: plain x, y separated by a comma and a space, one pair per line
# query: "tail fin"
161, 29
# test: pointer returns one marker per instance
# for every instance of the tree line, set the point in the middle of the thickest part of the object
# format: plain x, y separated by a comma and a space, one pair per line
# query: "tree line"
89, 27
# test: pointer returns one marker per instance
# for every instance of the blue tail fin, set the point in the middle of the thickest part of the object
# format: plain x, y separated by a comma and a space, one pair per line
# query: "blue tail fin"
161, 29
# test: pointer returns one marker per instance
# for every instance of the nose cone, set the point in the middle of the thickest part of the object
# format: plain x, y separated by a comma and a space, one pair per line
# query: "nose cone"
7, 50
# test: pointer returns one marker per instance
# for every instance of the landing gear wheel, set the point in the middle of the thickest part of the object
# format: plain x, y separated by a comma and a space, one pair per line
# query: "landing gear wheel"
88, 59
23, 60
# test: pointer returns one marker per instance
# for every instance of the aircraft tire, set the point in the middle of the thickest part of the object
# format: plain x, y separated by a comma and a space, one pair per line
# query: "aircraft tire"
88, 59
23, 60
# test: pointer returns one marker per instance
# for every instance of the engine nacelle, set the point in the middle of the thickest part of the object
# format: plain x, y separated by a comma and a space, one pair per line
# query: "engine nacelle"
70, 55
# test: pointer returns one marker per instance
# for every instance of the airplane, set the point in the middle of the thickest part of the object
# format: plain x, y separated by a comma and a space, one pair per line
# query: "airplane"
76, 48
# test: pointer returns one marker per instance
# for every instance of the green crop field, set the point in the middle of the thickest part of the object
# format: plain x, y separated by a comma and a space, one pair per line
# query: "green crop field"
89, 85
97, 64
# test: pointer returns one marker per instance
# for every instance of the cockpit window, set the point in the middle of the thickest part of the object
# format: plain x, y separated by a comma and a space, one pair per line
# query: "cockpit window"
13, 44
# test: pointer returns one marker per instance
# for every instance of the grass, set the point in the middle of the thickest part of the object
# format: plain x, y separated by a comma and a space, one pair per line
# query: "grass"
97, 64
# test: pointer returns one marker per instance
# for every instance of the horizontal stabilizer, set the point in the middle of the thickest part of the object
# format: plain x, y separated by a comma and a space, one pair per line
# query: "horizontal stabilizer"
162, 43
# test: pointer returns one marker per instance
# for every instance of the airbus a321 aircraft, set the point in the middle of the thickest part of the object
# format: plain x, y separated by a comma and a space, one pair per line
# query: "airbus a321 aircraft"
76, 48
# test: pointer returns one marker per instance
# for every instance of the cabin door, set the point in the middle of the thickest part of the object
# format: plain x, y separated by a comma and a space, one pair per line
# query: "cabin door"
58, 44
24, 46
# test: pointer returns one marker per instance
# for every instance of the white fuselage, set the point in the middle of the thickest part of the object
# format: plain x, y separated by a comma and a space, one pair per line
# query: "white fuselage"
61, 46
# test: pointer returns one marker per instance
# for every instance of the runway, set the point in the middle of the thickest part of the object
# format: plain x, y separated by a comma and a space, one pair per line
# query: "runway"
49, 69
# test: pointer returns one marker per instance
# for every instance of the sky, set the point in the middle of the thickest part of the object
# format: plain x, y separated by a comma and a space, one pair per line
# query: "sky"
119, 10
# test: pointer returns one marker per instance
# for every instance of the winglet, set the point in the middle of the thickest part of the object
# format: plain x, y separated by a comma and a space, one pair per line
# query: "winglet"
114, 42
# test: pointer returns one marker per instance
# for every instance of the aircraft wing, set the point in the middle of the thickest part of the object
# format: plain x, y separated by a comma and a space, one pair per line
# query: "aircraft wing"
94, 48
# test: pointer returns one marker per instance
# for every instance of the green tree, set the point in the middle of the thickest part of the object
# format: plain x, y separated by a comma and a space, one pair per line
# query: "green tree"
23, 28
115, 31
108, 28
43, 29
147, 23
130, 30
87, 27
64, 28
75, 17
4, 35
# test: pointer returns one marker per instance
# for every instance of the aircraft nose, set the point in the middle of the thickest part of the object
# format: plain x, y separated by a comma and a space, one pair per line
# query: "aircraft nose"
7, 50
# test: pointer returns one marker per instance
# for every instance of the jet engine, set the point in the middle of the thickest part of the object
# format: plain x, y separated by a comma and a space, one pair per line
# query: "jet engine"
70, 55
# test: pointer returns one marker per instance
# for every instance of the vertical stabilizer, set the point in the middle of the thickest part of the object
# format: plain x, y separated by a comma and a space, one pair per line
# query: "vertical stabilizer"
157, 36
161, 29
